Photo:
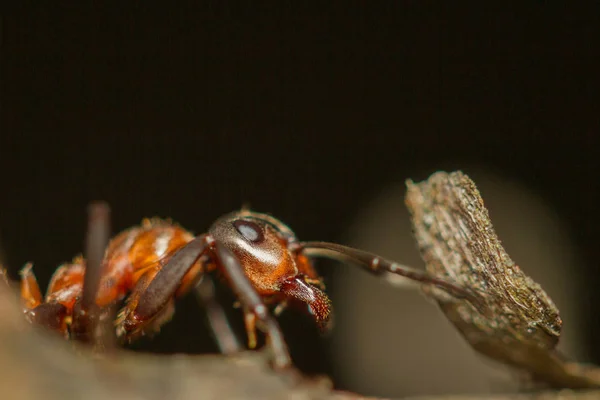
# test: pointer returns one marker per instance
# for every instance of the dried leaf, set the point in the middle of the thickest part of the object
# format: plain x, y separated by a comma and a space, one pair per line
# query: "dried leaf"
457, 242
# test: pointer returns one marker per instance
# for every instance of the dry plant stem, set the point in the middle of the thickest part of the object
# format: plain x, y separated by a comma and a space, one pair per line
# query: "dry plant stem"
457, 242
90, 324
97, 239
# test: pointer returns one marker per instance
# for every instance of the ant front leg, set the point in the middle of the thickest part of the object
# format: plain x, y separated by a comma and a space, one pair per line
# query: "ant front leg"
254, 308
151, 302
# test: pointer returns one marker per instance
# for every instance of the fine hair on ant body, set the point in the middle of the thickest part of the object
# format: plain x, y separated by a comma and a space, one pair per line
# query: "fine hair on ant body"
150, 265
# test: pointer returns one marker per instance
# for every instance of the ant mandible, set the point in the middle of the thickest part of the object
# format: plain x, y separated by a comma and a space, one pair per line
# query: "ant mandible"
152, 264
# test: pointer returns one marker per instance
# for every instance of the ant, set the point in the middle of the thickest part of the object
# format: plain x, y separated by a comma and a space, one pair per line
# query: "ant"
152, 264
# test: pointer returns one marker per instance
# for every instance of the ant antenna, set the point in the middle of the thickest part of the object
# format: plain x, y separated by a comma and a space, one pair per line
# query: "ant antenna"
378, 265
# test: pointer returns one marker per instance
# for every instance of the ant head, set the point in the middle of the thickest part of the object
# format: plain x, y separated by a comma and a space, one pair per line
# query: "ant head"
261, 243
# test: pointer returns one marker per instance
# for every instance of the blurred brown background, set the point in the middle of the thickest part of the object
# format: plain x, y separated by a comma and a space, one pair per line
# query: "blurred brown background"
316, 116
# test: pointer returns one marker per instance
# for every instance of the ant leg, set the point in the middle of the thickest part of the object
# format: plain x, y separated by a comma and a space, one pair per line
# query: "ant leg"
250, 324
30, 290
280, 308
252, 302
151, 302
52, 316
378, 265
49, 315
90, 323
224, 335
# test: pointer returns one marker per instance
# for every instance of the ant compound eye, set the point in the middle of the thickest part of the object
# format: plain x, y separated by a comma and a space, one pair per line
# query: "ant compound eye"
249, 230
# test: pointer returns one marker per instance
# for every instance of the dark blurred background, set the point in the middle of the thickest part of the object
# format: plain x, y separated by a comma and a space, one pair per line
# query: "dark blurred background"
308, 114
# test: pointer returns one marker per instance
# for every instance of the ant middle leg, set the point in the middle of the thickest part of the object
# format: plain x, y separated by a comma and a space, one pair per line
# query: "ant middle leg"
217, 319
52, 316
203, 286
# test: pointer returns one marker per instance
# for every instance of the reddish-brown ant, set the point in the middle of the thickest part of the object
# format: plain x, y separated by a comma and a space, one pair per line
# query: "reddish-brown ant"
152, 264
